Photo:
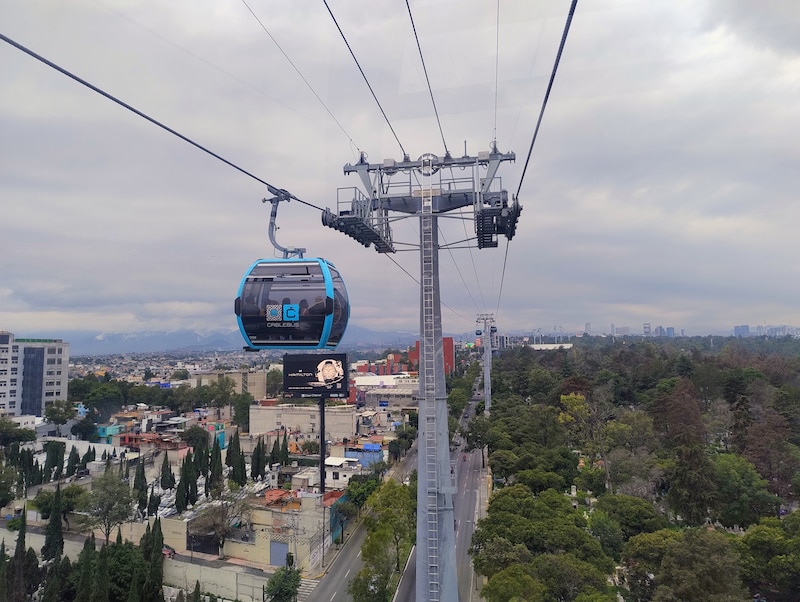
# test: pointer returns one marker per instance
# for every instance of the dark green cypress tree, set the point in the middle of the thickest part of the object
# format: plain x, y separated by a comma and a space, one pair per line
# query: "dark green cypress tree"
54, 534
85, 565
153, 502
215, 477
118, 541
234, 449
152, 590
18, 583
285, 449
240, 471
276, 452
201, 458
3, 572
167, 477
182, 493
58, 586
100, 588
133, 594
196, 593
139, 479
73, 461
191, 476
255, 459
146, 542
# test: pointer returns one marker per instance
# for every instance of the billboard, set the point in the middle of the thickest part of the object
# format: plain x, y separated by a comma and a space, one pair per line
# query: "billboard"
315, 375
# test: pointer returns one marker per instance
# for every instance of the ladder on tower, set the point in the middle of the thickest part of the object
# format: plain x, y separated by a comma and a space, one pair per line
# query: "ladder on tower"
429, 346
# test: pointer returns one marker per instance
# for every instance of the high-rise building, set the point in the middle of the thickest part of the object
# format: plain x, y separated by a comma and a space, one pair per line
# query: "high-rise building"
33, 374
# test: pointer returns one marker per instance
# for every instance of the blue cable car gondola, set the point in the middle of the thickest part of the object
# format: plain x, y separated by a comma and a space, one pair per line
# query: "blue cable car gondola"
286, 303
293, 302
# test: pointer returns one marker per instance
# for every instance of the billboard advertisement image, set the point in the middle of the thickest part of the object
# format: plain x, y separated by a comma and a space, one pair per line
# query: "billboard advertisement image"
315, 375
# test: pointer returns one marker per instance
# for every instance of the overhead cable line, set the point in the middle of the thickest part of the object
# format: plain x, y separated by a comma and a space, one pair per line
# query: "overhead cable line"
549, 87
427, 79
460, 275
272, 189
496, 67
502, 278
305, 81
536, 131
341, 33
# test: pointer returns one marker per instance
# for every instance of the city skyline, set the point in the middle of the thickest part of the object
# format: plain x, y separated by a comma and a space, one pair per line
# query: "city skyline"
660, 188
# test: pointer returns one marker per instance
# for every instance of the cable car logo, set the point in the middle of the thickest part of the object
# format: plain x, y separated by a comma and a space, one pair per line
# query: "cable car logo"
289, 312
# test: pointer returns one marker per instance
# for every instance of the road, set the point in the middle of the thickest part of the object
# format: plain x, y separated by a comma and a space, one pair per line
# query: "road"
469, 479
333, 586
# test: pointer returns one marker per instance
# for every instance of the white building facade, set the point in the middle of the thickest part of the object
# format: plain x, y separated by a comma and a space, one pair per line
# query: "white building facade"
33, 374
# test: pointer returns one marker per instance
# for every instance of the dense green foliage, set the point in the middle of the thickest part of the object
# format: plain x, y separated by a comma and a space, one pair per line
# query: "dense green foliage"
666, 434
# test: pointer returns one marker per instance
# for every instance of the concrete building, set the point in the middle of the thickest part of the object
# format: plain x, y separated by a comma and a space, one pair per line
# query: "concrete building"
340, 421
338, 472
33, 374
244, 381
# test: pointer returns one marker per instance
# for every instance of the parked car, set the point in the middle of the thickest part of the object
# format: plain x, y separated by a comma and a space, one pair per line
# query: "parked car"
168, 551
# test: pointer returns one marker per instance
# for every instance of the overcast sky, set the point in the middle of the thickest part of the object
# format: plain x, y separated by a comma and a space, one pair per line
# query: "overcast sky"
662, 188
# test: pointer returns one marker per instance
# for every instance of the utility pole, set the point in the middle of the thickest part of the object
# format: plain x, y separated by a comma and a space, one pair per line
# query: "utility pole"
489, 331
427, 188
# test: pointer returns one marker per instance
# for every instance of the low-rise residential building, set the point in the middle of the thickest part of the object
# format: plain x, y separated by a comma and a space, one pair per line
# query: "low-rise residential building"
340, 421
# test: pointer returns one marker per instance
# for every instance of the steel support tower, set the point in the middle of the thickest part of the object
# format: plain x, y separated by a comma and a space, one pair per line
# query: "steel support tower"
488, 331
427, 188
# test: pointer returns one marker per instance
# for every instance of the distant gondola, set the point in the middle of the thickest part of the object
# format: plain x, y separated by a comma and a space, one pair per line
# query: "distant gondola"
292, 303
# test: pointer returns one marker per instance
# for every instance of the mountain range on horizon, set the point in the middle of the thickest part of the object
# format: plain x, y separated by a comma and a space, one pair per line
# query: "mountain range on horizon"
87, 342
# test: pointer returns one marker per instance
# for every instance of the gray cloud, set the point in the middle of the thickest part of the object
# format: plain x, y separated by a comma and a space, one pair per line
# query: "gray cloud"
662, 188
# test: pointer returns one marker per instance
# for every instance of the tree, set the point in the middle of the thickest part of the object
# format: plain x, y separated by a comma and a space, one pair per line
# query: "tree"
8, 476
691, 480
703, 565
182, 491
11, 432
108, 505
503, 462
72, 462
152, 589
743, 496
100, 587
234, 449
196, 437
54, 534
274, 382
180, 374
634, 515
105, 400
167, 476
85, 429
214, 484
283, 585
499, 554
241, 410
285, 449
140, 488
59, 413
258, 460
477, 435
18, 584
219, 520
390, 510
371, 583
566, 577
514, 583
